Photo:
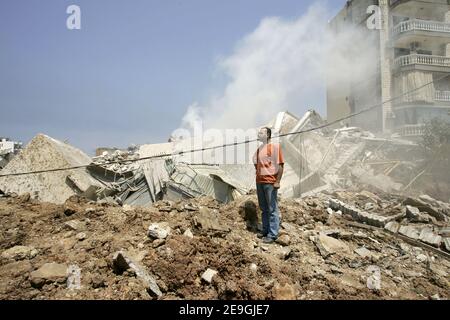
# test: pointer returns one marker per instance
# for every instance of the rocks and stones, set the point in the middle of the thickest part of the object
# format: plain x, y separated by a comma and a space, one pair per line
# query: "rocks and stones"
284, 240
392, 226
48, 273
123, 262
75, 225
328, 245
208, 275
422, 258
428, 236
253, 268
208, 220
249, 211
284, 253
412, 213
284, 292
363, 252
425, 207
447, 244
410, 232
188, 233
19, 253
369, 206
81, 236
374, 279
158, 231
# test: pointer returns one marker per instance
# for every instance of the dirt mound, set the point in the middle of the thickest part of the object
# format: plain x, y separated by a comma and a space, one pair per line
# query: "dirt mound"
319, 256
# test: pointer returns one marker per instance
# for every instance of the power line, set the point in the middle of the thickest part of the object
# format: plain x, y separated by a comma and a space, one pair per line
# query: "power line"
180, 153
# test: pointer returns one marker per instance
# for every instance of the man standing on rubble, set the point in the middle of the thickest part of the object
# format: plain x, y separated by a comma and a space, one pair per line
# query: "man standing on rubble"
269, 165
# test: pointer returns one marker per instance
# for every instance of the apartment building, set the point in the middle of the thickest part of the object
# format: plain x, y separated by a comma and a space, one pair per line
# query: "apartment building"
411, 46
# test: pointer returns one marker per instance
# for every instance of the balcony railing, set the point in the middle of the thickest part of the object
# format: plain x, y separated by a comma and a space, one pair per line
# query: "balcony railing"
421, 25
422, 59
411, 130
442, 96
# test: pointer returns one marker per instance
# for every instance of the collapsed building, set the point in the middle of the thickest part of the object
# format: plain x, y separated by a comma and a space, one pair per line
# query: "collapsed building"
317, 161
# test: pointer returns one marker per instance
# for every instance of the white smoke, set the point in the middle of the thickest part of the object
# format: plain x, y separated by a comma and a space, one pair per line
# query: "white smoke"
282, 65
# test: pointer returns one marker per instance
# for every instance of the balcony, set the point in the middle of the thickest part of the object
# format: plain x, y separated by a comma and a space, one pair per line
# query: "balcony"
423, 9
422, 62
428, 33
421, 25
442, 96
412, 100
411, 130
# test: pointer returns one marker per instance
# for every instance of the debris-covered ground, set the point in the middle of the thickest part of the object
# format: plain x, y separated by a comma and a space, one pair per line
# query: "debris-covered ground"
89, 250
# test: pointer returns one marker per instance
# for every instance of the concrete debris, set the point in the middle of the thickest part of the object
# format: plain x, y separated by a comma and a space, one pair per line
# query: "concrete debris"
328, 245
208, 220
75, 225
19, 253
188, 233
284, 292
8, 149
81, 236
284, 240
374, 279
208, 275
428, 208
333, 266
410, 232
122, 262
392, 226
158, 231
447, 244
44, 153
346, 190
48, 273
363, 252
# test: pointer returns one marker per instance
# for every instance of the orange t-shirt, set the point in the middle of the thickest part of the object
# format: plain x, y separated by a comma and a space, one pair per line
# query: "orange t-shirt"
268, 159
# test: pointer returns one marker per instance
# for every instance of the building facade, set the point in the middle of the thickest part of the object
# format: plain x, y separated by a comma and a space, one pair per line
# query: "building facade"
411, 46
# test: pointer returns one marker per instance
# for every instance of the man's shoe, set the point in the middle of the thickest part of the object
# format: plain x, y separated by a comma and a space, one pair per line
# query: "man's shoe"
261, 235
268, 240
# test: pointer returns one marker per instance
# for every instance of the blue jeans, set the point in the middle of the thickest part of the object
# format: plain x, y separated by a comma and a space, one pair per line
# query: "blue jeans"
268, 202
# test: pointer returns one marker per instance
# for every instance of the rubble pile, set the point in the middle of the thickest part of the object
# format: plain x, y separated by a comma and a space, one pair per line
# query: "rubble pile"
8, 149
203, 249
361, 219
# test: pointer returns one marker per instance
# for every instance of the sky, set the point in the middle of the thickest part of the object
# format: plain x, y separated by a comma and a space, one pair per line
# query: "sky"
131, 72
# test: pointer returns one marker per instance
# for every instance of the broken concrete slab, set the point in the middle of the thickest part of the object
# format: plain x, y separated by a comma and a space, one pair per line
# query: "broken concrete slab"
372, 219
159, 230
208, 275
447, 244
75, 225
425, 207
363, 252
122, 262
412, 212
49, 272
392, 226
428, 236
208, 220
328, 245
188, 233
44, 153
284, 240
19, 253
410, 232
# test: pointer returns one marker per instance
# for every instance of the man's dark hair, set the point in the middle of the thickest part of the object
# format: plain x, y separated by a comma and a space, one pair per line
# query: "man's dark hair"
269, 133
